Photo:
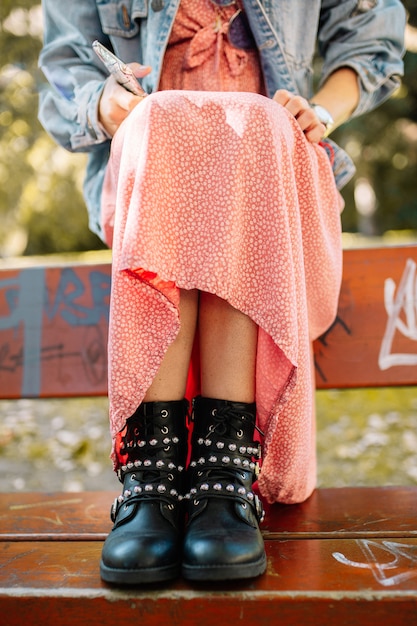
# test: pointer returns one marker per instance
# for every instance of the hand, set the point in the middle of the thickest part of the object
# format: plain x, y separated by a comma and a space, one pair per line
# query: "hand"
116, 102
306, 117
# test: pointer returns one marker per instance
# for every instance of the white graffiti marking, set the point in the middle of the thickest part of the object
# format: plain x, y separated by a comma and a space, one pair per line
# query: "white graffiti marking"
402, 317
401, 567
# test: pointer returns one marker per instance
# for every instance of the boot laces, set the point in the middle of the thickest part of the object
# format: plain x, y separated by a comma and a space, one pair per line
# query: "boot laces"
227, 416
224, 419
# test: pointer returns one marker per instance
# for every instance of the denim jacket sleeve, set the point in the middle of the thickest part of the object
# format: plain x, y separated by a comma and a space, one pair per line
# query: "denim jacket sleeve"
68, 109
368, 36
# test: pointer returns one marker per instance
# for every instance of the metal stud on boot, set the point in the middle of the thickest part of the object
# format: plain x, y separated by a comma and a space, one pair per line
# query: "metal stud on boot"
144, 545
222, 537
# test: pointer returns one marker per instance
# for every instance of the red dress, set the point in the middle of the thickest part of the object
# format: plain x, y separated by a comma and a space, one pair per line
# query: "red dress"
220, 191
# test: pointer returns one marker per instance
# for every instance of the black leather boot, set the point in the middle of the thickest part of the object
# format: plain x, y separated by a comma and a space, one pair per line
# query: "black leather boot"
144, 545
222, 537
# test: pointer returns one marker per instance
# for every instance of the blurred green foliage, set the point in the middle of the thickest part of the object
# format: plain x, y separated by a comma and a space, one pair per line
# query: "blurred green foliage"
41, 204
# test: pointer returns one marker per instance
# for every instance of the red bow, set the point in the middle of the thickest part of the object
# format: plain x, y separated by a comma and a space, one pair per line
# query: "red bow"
209, 42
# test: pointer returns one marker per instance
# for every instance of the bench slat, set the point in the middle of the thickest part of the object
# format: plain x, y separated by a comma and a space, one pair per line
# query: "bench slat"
359, 512
311, 565
54, 321
349, 512
153, 610
366, 345
60, 516
305, 582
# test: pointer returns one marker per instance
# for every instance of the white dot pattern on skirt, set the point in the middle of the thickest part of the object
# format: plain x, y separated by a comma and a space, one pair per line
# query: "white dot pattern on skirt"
222, 192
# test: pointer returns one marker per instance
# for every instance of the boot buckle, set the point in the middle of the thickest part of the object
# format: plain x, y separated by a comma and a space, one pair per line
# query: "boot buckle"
114, 509
260, 513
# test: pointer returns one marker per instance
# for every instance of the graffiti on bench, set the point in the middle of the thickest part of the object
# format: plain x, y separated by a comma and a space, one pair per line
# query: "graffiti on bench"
388, 336
57, 300
401, 308
390, 562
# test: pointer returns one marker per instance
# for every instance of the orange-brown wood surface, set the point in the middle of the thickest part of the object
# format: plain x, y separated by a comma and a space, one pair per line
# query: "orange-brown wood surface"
341, 565
53, 327
81, 516
373, 340
346, 556
53, 331
351, 512
205, 609
306, 581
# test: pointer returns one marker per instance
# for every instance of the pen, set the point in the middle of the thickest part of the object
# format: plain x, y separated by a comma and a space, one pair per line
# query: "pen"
121, 72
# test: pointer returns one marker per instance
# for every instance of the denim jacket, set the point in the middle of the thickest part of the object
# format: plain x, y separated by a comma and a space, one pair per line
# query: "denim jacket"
366, 35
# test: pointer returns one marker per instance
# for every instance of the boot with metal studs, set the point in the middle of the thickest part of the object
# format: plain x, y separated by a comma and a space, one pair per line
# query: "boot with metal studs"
222, 537
144, 545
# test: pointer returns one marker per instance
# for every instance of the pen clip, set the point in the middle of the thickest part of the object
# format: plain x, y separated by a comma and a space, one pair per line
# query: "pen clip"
106, 56
122, 72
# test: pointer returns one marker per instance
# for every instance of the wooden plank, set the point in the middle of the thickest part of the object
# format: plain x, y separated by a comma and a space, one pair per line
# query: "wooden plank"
350, 512
53, 331
373, 340
206, 610
53, 327
55, 516
310, 565
306, 581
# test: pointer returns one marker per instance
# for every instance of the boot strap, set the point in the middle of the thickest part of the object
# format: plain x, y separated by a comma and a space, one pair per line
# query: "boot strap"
228, 457
229, 461
161, 491
216, 489
148, 464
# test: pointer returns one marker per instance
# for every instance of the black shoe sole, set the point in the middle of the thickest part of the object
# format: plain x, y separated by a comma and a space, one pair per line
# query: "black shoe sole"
225, 571
139, 576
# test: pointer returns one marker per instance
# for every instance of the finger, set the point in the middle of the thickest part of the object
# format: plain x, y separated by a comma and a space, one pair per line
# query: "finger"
120, 97
124, 99
307, 118
311, 126
297, 106
115, 104
140, 70
316, 134
282, 96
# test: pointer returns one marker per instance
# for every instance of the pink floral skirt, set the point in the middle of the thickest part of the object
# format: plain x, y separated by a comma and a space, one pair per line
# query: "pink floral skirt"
221, 192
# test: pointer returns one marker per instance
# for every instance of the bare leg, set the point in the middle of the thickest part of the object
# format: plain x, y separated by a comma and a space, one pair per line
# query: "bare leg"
171, 378
228, 342
220, 542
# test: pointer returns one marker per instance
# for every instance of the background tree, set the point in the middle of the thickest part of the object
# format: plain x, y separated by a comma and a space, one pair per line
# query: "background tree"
383, 145
41, 204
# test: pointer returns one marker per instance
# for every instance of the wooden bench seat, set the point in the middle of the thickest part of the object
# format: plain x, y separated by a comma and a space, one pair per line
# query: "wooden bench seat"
346, 556
329, 560
349, 513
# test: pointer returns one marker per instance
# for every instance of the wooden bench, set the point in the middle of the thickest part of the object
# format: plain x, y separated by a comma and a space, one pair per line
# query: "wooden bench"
346, 556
